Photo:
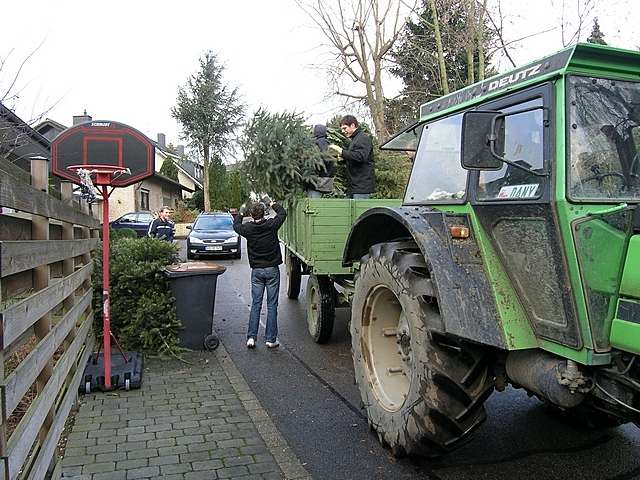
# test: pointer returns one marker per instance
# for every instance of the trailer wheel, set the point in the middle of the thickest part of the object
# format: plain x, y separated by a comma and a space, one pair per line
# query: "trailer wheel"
423, 391
294, 276
321, 307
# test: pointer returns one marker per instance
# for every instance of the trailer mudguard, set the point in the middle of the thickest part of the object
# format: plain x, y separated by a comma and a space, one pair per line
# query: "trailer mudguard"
463, 291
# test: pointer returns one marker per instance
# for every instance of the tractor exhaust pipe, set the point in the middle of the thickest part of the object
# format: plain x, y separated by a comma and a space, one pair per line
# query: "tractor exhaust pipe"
542, 373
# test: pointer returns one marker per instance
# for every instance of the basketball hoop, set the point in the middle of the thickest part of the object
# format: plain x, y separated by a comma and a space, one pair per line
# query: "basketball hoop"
102, 155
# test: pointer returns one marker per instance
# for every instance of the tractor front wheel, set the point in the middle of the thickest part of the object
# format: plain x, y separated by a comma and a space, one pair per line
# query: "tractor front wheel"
423, 391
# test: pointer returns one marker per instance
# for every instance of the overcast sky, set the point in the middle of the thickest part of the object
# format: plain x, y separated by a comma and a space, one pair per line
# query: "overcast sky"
124, 60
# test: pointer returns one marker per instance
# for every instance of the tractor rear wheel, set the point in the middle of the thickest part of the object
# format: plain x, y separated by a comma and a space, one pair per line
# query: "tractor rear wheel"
423, 391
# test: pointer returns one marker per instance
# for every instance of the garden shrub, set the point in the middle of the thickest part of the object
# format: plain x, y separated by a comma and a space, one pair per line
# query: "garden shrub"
122, 233
143, 310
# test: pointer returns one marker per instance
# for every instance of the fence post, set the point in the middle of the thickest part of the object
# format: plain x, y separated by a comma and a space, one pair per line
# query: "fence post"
40, 231
3, 416
68, 265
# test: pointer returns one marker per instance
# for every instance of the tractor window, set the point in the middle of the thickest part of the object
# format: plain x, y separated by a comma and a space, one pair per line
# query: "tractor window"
524, 133
437, 174
604, 139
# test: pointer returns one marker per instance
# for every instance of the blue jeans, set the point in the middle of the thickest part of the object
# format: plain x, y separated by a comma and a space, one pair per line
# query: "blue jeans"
262, 278
359, 196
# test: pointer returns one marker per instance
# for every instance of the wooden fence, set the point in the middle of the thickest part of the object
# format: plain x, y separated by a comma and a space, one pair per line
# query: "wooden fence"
46, 321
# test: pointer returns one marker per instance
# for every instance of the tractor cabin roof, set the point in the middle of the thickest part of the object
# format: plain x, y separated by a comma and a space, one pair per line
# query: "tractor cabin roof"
581, 59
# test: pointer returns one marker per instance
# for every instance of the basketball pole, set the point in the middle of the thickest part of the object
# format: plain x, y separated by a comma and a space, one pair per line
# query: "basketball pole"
106, 312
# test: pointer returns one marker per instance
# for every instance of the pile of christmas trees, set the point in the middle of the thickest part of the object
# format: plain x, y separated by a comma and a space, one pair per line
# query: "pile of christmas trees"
281, 156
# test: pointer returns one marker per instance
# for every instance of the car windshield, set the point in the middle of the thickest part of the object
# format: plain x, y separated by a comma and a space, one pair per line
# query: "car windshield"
213, 223
604, 134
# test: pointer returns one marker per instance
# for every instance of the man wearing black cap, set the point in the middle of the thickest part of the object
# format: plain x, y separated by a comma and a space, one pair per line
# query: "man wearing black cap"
263, 249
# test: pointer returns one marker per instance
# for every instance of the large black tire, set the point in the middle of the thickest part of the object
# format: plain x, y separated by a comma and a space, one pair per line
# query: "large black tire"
321, 307
423, 391
294, 276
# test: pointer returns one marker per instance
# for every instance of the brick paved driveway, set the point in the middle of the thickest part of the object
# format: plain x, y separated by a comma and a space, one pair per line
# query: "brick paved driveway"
198, 421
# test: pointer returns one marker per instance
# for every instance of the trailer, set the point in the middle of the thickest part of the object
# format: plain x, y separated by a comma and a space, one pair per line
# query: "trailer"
314, 238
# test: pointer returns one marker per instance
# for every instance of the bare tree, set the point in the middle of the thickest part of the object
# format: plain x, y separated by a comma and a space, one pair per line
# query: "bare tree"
361, 34
572, 26
444, 81
501, 43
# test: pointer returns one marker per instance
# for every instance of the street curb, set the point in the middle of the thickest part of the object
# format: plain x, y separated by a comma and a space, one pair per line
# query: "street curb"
277, 445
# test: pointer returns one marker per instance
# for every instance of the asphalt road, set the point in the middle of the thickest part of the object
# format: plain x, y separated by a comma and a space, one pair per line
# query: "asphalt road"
309, 392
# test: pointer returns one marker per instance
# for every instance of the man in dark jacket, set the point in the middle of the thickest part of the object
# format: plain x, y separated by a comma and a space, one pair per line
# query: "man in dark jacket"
263, 249
162, 227
326, 174
361, 180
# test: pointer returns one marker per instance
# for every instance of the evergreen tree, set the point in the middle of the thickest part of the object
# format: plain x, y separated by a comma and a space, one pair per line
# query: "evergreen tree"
416, 59
169, 169
281, 157
196, 202
238, 189
210, 112
596, 34
218, 188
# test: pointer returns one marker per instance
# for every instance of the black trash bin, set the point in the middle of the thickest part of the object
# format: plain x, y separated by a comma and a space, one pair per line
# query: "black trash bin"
193, 285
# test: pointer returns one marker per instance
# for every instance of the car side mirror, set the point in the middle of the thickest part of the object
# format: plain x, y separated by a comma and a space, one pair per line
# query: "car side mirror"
189, 227
482, 140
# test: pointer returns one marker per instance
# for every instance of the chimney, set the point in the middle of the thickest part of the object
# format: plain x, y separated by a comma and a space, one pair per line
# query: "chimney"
82, 118
180, 150
162, 139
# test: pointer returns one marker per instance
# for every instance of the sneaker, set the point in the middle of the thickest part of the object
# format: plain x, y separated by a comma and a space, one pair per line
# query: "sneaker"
273, 344
251, 343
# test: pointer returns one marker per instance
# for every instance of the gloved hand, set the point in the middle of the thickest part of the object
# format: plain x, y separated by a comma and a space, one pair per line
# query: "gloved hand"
336, 149
266, 200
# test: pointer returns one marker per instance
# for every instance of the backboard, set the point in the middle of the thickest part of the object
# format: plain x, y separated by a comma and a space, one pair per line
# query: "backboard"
103, 142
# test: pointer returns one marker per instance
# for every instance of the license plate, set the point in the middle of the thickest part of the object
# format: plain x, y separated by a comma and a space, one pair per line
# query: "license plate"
213, 248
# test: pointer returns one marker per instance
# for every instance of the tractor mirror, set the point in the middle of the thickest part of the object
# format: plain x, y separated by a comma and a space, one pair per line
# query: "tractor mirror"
482, 140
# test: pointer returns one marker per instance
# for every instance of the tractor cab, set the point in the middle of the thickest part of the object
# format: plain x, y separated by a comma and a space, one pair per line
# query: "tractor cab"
546, 159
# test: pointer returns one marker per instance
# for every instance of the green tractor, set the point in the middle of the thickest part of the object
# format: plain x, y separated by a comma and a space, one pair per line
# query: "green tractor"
514, 258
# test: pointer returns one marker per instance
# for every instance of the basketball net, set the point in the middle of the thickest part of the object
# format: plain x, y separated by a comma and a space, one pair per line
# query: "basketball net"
87, 189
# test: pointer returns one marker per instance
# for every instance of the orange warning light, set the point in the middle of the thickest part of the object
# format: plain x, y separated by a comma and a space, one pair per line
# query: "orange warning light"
459, 232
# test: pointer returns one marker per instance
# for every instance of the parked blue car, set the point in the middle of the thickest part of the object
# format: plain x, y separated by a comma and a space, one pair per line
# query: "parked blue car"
138, 221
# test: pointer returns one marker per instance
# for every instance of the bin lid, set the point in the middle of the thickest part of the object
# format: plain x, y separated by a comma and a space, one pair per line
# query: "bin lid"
189, 269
